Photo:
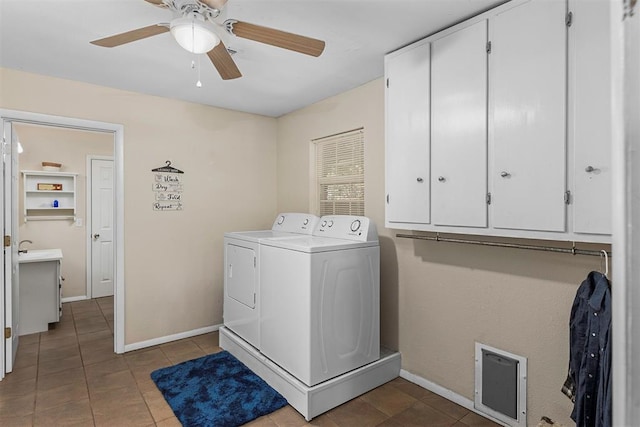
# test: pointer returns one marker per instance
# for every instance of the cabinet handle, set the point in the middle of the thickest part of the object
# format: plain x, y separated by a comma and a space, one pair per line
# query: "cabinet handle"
589, 169
441, 179
419, 179
505, 174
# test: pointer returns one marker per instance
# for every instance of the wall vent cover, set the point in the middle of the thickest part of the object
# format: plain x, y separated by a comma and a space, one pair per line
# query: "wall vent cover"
501, 385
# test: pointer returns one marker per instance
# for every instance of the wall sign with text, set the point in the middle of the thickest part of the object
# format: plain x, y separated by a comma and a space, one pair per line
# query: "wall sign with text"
167, 187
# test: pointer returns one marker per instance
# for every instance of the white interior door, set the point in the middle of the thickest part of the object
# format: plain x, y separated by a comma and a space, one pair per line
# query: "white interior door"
4, 303
102, 249
10, 226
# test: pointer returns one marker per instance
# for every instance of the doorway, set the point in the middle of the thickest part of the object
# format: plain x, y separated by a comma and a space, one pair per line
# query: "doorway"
9, 119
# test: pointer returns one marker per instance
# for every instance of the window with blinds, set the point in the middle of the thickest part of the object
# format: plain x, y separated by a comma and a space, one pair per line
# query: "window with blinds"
340, 173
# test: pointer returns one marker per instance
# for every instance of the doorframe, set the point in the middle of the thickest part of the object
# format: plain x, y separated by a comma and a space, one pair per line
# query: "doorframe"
88, 221
9, 276
626, 208
16, 116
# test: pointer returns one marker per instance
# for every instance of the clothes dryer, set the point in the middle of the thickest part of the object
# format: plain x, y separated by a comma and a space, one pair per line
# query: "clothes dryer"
241, 303
320, 299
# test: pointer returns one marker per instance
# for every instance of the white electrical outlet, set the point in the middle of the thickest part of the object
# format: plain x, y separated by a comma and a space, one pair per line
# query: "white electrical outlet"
78, 222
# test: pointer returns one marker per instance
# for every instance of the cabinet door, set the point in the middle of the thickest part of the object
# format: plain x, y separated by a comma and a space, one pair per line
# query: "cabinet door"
527, 72
590, 107
241, 274
459, 128
58, 284
407, 135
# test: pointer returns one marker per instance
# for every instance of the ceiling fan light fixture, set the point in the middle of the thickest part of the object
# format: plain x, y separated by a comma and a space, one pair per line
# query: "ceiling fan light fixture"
194, 35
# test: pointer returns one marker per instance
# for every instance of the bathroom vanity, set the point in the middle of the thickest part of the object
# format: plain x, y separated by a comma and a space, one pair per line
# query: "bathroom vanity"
40, 290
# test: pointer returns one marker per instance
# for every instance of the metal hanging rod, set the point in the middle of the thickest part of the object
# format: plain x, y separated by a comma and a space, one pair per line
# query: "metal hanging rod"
572, 251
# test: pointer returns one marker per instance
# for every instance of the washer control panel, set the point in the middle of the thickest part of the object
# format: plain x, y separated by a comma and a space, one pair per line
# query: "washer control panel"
295, 223
350, 227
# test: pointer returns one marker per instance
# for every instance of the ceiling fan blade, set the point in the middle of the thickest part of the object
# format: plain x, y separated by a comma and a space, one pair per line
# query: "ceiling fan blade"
215, 4
223, 62
131, 36
290, 41
158, 3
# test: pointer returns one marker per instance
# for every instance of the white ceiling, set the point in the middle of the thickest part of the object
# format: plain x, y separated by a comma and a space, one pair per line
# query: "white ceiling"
51, 37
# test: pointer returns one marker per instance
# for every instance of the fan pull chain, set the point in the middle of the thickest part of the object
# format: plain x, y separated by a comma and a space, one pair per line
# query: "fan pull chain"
193, 67
193, 44
199, 83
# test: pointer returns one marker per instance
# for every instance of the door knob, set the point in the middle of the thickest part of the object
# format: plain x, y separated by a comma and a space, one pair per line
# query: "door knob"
441, 179
505, 174
589, 169
96, 236
419, 179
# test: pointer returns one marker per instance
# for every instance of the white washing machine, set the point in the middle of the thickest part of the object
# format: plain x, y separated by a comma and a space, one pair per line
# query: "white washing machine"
319, 298
241, 309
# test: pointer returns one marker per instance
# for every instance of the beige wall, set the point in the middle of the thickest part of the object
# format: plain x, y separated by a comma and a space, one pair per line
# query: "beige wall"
69, 147
173, 260
362, 107
438, 299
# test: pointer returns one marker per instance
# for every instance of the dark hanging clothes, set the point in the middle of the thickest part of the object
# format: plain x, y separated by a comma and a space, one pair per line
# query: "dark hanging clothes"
588, 383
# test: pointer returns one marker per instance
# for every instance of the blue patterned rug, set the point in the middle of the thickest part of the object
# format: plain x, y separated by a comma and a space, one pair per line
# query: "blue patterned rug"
216, 390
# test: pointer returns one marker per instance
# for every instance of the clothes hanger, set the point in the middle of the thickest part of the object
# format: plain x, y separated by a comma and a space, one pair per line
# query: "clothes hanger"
167, 168
606, 261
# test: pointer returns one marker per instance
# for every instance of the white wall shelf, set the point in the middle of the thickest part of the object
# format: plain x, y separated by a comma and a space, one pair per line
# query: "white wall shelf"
39, 204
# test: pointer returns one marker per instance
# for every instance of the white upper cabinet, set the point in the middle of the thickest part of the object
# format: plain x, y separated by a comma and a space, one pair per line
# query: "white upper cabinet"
407, 135
527, 120
501, 125
590, 110
459, 128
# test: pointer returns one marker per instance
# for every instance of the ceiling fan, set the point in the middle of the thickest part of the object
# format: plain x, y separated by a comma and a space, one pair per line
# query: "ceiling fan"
194, 28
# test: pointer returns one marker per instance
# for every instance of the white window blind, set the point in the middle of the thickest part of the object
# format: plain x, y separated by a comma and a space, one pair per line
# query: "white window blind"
340, 173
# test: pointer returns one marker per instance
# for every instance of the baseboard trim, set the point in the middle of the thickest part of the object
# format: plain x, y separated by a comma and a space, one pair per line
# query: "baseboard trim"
444, 392
72, 299
168, 338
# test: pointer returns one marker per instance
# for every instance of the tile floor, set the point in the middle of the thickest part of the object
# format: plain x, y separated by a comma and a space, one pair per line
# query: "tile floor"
69, 376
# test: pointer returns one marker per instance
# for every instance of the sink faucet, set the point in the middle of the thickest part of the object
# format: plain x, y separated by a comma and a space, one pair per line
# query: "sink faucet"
23, 251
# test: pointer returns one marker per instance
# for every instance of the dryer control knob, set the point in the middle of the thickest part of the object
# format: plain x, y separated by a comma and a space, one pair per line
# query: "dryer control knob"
281, 220
355, 225
305, 222
330, 223
324, 223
